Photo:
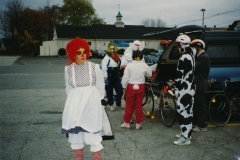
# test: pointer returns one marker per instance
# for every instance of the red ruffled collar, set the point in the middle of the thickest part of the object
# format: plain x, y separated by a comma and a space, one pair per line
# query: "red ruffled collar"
115, 57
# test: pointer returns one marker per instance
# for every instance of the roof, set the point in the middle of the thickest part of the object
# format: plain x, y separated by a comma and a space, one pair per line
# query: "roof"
119, 14
99, 31
72, 31
176, 31
172, 33
119, 23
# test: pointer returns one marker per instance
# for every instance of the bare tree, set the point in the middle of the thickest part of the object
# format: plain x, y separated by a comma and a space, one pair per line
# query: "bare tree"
3, 24
160, 23
52, 16
150, 22
9, 18
146, 22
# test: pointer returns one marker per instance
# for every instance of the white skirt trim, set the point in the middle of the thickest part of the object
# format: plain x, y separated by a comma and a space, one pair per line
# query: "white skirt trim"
83, 109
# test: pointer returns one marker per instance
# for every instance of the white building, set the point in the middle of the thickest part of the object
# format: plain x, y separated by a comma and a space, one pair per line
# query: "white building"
101, 35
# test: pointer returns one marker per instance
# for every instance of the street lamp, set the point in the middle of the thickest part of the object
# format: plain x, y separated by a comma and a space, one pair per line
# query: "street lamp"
203, 16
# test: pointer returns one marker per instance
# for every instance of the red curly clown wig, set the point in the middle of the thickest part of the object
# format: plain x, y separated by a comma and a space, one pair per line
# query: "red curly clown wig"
74, 45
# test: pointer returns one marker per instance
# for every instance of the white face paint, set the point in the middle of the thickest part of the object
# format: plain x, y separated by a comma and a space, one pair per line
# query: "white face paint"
194, 51
184, 45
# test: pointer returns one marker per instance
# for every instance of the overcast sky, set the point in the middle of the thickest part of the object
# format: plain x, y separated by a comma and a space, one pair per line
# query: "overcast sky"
172, 12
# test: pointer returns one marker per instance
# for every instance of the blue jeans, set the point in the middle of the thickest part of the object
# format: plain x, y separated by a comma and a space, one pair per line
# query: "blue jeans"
117, 86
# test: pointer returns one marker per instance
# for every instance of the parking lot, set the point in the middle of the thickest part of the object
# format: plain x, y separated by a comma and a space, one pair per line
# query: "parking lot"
32, 97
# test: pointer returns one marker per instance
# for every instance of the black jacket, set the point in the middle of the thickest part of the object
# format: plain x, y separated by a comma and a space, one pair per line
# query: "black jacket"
202, 67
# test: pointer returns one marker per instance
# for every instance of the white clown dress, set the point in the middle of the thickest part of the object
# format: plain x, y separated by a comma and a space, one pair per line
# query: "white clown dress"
85, 88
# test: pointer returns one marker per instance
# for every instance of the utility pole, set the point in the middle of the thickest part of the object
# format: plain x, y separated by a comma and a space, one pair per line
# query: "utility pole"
203, 17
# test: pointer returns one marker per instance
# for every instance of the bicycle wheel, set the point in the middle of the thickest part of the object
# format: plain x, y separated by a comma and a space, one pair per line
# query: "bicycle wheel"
168, 109
148, 103
219, 110
235, 104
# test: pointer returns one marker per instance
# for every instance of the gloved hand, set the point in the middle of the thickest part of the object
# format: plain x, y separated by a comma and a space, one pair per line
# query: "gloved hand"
104, 103
172, 92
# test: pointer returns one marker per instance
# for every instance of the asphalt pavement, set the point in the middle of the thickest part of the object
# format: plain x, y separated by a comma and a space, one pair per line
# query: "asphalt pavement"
32, 98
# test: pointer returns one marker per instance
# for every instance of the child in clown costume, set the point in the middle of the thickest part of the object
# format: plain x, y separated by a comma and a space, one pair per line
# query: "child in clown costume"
82, 116
133, 83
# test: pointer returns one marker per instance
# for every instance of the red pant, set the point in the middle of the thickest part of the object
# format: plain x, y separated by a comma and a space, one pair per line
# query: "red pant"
134, 100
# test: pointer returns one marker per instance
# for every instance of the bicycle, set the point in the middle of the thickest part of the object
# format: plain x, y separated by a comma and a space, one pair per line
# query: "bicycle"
166, 105
149, 98
223, 105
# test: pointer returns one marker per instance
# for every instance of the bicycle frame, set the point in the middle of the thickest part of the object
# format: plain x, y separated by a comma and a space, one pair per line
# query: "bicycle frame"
151, 83
228, 95
222, 105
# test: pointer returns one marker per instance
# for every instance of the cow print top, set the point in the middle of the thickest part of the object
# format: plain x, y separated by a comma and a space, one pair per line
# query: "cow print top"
184, 82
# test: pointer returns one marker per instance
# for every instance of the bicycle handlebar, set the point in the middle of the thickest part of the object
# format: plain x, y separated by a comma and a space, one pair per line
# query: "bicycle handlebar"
224, 80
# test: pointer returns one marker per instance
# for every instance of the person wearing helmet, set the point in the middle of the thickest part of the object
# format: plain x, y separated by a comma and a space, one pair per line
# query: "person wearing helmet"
133, 84
185, 89
202, 67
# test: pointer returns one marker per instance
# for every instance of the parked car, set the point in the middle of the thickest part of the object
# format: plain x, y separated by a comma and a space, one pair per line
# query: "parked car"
100, 53
157, 53
223, 48
150, 60
154, 58
94, 54
91, 55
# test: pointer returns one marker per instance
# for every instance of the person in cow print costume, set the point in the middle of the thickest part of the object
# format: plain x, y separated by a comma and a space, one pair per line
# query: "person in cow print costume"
185, 89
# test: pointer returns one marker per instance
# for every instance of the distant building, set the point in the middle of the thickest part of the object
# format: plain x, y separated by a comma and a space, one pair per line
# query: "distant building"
235, 26
215, 28
101, 35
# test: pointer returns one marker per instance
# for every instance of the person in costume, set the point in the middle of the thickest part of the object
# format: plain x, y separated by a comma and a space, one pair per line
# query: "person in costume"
85, 88
127, 57
201, 73
110, 67
133, 85
185, 89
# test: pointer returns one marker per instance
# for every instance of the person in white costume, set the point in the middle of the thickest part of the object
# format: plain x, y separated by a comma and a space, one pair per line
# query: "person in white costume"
110, 68
133, 83
82, 115
127, 57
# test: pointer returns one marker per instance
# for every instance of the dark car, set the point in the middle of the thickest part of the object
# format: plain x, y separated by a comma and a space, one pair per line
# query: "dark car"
94, 54
223, 48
